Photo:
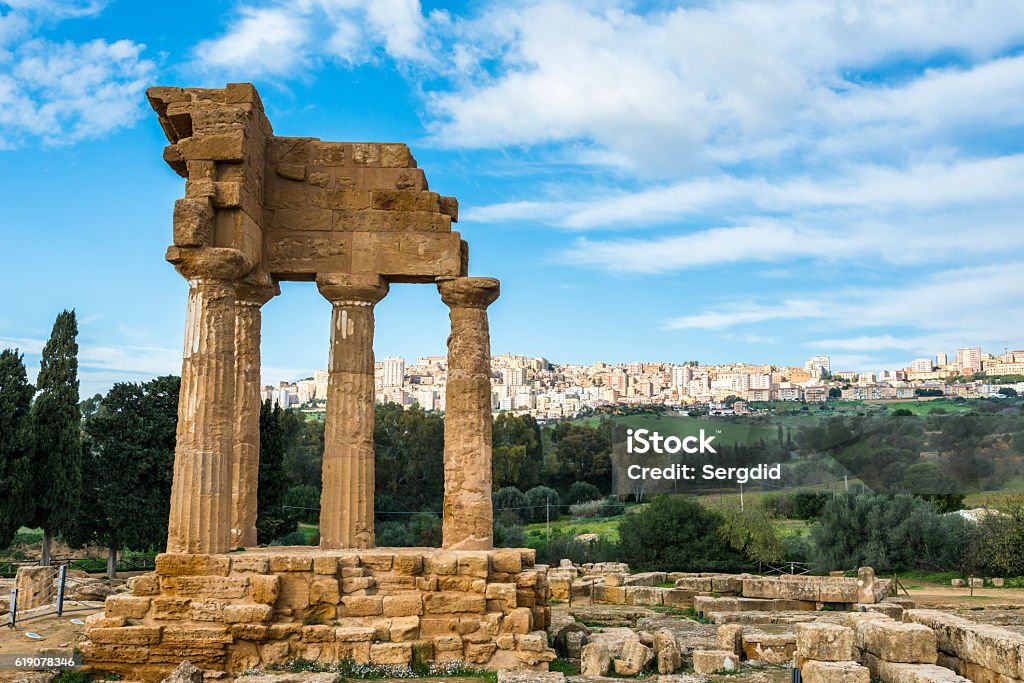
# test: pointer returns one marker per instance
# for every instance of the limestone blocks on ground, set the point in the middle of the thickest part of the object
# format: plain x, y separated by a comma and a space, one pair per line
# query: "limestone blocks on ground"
635, 656
824, 642
715, 661
897, 642
834, 672
977, 651
595, 659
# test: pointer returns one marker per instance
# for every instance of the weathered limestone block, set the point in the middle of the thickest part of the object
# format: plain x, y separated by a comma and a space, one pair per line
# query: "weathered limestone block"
834, 672
291, 563
206, 610
595, 659
403, 604
451, 602
824, 642
408, 564
512, 676
897, 642
224, 587
129, 606
667, 652
404, 629
714, 661
236, 614
362, 605
894, 672
144, 584
391, 653
614, 639
265, 589
770, 648
991, 647
127, 635
634, 658
324, 591
193, 221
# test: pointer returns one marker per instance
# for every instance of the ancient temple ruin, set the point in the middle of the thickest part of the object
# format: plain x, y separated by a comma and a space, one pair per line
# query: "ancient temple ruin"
353, 218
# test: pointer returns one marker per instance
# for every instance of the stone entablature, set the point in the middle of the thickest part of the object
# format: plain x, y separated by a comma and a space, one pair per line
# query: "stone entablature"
231, 612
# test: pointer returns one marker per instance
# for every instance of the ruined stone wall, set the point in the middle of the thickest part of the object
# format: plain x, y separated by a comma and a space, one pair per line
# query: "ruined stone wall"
980, 652
232, 612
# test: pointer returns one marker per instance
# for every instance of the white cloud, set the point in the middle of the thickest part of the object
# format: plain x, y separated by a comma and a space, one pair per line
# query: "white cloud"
943, 310
265, 40
288, 36
670, 91
61, 93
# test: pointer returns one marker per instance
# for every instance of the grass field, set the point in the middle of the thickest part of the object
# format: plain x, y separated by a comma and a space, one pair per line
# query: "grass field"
1011, 491
726, 431
607, 528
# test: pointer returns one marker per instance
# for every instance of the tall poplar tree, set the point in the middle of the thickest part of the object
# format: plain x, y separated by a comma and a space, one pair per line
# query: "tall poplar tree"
56, 426
15, 445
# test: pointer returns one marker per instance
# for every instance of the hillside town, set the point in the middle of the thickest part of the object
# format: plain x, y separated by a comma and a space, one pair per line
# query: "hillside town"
553, 391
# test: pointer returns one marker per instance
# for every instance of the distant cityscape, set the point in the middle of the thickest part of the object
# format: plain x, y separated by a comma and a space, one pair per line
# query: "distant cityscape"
554, 391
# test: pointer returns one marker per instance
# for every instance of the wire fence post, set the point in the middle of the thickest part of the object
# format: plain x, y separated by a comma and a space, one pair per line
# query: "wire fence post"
62, 577
12, 615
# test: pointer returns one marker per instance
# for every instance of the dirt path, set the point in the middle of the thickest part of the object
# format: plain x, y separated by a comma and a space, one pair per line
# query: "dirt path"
935, 596
56, 632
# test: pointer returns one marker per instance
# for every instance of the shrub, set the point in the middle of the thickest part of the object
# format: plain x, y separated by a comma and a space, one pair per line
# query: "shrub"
751, 533
581, 492
543, 501
889, 533
998, 542
565, 546
293, 538
510, 501
591, 508
508, 536
675, 534
420, 530
612, 507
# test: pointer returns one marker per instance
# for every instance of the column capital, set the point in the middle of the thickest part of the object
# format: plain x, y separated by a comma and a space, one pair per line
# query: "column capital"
257, 289
209, 263
357, 290
469, 292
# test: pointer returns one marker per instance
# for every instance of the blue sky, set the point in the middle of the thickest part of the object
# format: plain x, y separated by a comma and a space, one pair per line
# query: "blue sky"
720, 181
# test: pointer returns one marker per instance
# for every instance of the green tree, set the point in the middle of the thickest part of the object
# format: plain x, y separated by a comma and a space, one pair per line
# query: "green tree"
273, 519
675, 534
581, 492
519, 439
889, 533
57, 466
751, 533
510, 503
409, 457
544, 503
127, 468
583, 453
15, 445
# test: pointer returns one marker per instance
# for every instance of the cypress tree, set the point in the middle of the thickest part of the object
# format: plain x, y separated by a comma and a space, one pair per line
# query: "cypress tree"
15, 445
56, 426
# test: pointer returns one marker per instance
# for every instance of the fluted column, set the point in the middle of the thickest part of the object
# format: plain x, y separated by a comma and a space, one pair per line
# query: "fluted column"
346, 501
468, 516
245, 459
200, 517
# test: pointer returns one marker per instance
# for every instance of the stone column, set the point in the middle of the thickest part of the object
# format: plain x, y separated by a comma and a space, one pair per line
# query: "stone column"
468, 516
245, 460
346, 502
200, 519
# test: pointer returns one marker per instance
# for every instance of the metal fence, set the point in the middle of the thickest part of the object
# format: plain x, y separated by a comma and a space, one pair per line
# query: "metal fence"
92, 565
44, 597
783, 568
